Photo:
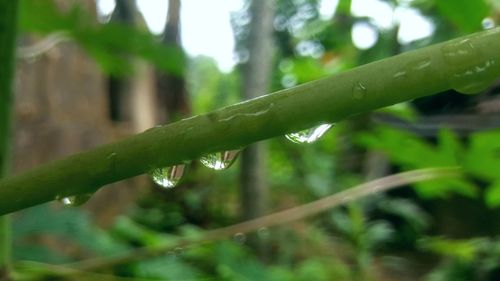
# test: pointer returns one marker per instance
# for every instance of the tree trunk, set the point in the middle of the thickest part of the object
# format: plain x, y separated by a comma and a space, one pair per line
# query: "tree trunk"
173, 101
256, 80
132, 108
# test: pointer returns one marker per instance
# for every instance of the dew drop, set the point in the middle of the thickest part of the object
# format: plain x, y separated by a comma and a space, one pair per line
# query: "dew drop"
67, 201
488, 23
220, 160
74, 200
310, 135
168, 177
400, 74
468, 71
359, 91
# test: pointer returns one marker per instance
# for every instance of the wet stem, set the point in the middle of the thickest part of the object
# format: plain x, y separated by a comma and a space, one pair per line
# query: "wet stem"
404, 77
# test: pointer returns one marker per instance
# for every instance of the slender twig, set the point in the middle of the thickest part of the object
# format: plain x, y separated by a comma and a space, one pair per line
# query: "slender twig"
42, 46
278, 218
467, 64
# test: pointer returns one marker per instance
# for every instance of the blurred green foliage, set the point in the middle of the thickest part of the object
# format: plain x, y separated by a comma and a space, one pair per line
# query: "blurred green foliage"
385, 237
109, 44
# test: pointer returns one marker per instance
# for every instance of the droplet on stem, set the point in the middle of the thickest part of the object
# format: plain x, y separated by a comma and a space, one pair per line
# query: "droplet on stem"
220, 160
310, 135
469, 71
74, 200
359, 90
168, 177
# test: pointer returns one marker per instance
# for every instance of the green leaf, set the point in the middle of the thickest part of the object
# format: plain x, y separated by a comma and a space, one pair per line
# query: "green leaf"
109, 44
464, 250
492, 195
467, 15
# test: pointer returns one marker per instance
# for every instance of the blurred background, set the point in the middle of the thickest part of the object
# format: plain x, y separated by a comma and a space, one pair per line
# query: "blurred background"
91, 72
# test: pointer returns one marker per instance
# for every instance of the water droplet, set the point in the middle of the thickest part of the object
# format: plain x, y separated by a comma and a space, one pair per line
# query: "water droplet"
488, 23
220, 160
419, 64
310, 135
240, 237
168, 177
74, 200
67, 201
358, 91
288, 80
400, 74
468, 71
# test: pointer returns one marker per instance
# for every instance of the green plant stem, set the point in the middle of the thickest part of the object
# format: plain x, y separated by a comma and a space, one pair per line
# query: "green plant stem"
400, 78
8, 25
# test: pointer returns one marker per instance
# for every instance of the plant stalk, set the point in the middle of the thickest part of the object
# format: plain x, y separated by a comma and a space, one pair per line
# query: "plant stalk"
467, 64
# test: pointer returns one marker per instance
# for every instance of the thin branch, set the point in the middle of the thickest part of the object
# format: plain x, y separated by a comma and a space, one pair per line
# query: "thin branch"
42, 46
278, 218
467, 64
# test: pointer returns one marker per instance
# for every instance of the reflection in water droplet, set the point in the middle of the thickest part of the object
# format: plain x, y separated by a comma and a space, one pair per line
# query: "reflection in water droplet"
469, 72
168, 177
74, 200
220, 160
240, 237
358, 91
310, 135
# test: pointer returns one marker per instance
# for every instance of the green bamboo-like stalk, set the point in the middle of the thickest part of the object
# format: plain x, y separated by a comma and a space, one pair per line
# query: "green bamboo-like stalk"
467, 64
8, 24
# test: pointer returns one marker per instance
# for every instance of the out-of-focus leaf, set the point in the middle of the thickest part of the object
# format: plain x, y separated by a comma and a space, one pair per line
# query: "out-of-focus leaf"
137, 233
71, 225
465, 14
482, 157
168, 267
464, 250
109, 44
492, 196
412, 152
406, 209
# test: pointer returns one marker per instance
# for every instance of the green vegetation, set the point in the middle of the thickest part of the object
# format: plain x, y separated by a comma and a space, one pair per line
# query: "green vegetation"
420, 114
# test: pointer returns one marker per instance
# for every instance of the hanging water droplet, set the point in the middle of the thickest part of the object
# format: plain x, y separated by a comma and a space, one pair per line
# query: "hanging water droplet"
469, 72
310, 135
67, 201
168, 177
220, 160
74, 200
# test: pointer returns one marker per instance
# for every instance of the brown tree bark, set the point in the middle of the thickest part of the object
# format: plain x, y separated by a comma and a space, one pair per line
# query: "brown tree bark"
256, 81
173, 101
